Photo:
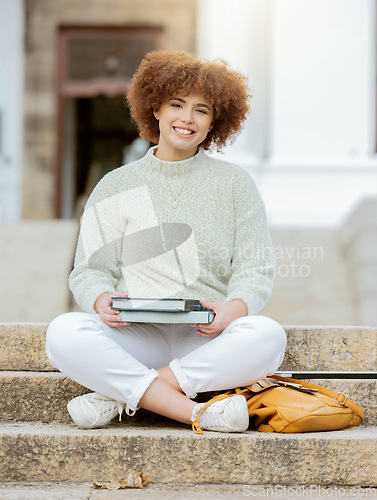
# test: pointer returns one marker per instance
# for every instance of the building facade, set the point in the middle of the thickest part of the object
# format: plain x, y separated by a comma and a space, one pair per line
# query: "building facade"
310, 141
76, 59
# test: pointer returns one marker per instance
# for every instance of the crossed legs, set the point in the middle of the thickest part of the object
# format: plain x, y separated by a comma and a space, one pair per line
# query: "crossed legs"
159, 367
165, 397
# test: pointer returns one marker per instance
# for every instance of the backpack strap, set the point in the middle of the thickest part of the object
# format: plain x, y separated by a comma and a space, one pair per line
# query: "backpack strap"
327, 392
195, 424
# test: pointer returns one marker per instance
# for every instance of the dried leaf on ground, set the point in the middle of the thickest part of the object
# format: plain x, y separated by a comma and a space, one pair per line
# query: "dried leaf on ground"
134, 480
115, 484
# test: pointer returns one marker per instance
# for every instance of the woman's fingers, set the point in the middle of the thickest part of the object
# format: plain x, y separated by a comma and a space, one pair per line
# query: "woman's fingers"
109, 311
205, 332
116, 323
112, 318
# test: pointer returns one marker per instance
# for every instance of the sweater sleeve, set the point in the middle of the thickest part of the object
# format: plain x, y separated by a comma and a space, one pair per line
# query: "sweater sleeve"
253, 259
97, 260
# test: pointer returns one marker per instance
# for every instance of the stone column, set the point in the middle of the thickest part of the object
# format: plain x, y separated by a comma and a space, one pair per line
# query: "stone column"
11, 102
323, 79
238, 32
310, 140
358, 238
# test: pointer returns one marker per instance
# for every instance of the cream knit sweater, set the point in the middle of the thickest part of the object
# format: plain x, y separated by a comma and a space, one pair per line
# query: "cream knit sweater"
215, 245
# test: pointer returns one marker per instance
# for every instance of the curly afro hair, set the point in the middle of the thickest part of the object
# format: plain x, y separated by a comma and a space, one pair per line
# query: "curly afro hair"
164, 74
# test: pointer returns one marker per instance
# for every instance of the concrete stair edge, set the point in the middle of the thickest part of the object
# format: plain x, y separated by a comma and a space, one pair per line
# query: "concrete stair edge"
317, 348
43, 396
65, 453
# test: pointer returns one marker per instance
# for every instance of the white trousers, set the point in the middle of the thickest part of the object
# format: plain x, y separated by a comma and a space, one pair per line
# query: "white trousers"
121, 363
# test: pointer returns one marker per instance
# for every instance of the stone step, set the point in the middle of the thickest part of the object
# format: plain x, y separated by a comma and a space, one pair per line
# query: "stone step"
156, 491
318, 348
321, 348
22, 347
62, 452
42, 397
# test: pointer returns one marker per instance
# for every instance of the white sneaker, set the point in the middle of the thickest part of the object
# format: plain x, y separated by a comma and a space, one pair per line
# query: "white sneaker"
227, 415
94, 410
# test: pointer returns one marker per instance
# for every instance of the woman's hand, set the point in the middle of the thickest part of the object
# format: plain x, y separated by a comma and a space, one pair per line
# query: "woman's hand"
226, 312
103, 308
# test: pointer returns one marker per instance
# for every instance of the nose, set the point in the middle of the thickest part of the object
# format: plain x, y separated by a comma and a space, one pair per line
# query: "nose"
187, 115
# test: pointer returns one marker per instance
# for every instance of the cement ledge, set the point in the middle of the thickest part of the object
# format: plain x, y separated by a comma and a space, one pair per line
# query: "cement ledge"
40, 452
22, 348
158, 491
43, 396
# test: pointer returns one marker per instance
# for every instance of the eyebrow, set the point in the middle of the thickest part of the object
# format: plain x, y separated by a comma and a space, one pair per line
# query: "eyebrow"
183, 101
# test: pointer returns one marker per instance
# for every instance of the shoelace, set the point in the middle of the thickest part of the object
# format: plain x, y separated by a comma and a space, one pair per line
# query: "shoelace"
120, 408
127, 409
195, 424
129, 412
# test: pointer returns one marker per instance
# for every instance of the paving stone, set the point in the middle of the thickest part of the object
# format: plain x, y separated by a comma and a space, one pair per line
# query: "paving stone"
45, 452
74, 491
38, 491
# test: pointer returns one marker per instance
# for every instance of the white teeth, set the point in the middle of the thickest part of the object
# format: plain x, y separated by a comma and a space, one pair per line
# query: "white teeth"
183, 131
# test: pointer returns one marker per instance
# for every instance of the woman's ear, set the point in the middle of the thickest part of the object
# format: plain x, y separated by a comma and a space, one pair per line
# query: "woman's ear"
155, 114
210, 127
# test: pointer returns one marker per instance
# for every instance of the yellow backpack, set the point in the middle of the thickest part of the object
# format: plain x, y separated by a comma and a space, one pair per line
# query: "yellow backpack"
277, 404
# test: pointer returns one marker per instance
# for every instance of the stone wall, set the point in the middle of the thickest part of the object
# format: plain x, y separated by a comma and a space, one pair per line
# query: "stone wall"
43, 18
35, 260
317, 282
358, 245
313, 281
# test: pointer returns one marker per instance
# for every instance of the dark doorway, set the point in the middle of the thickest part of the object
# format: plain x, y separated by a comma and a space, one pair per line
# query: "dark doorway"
103, 130
95, 67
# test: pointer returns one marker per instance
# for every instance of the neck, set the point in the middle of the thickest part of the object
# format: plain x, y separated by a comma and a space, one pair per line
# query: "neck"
176, 155
172, 167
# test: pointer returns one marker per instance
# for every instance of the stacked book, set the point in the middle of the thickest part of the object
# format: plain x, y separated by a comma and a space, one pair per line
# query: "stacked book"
138, 310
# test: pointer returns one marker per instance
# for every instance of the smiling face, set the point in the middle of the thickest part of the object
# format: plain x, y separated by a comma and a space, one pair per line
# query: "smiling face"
184, 122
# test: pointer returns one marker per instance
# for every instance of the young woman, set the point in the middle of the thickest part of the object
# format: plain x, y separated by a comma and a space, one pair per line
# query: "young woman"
177, 223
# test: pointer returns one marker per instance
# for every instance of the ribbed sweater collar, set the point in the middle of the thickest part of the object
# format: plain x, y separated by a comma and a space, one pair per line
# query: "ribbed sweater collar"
172, 167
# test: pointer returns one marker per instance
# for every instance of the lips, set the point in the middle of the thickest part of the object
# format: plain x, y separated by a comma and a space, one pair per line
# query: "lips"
184, 131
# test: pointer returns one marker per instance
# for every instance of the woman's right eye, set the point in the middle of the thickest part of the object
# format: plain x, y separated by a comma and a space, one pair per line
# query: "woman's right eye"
176, 105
